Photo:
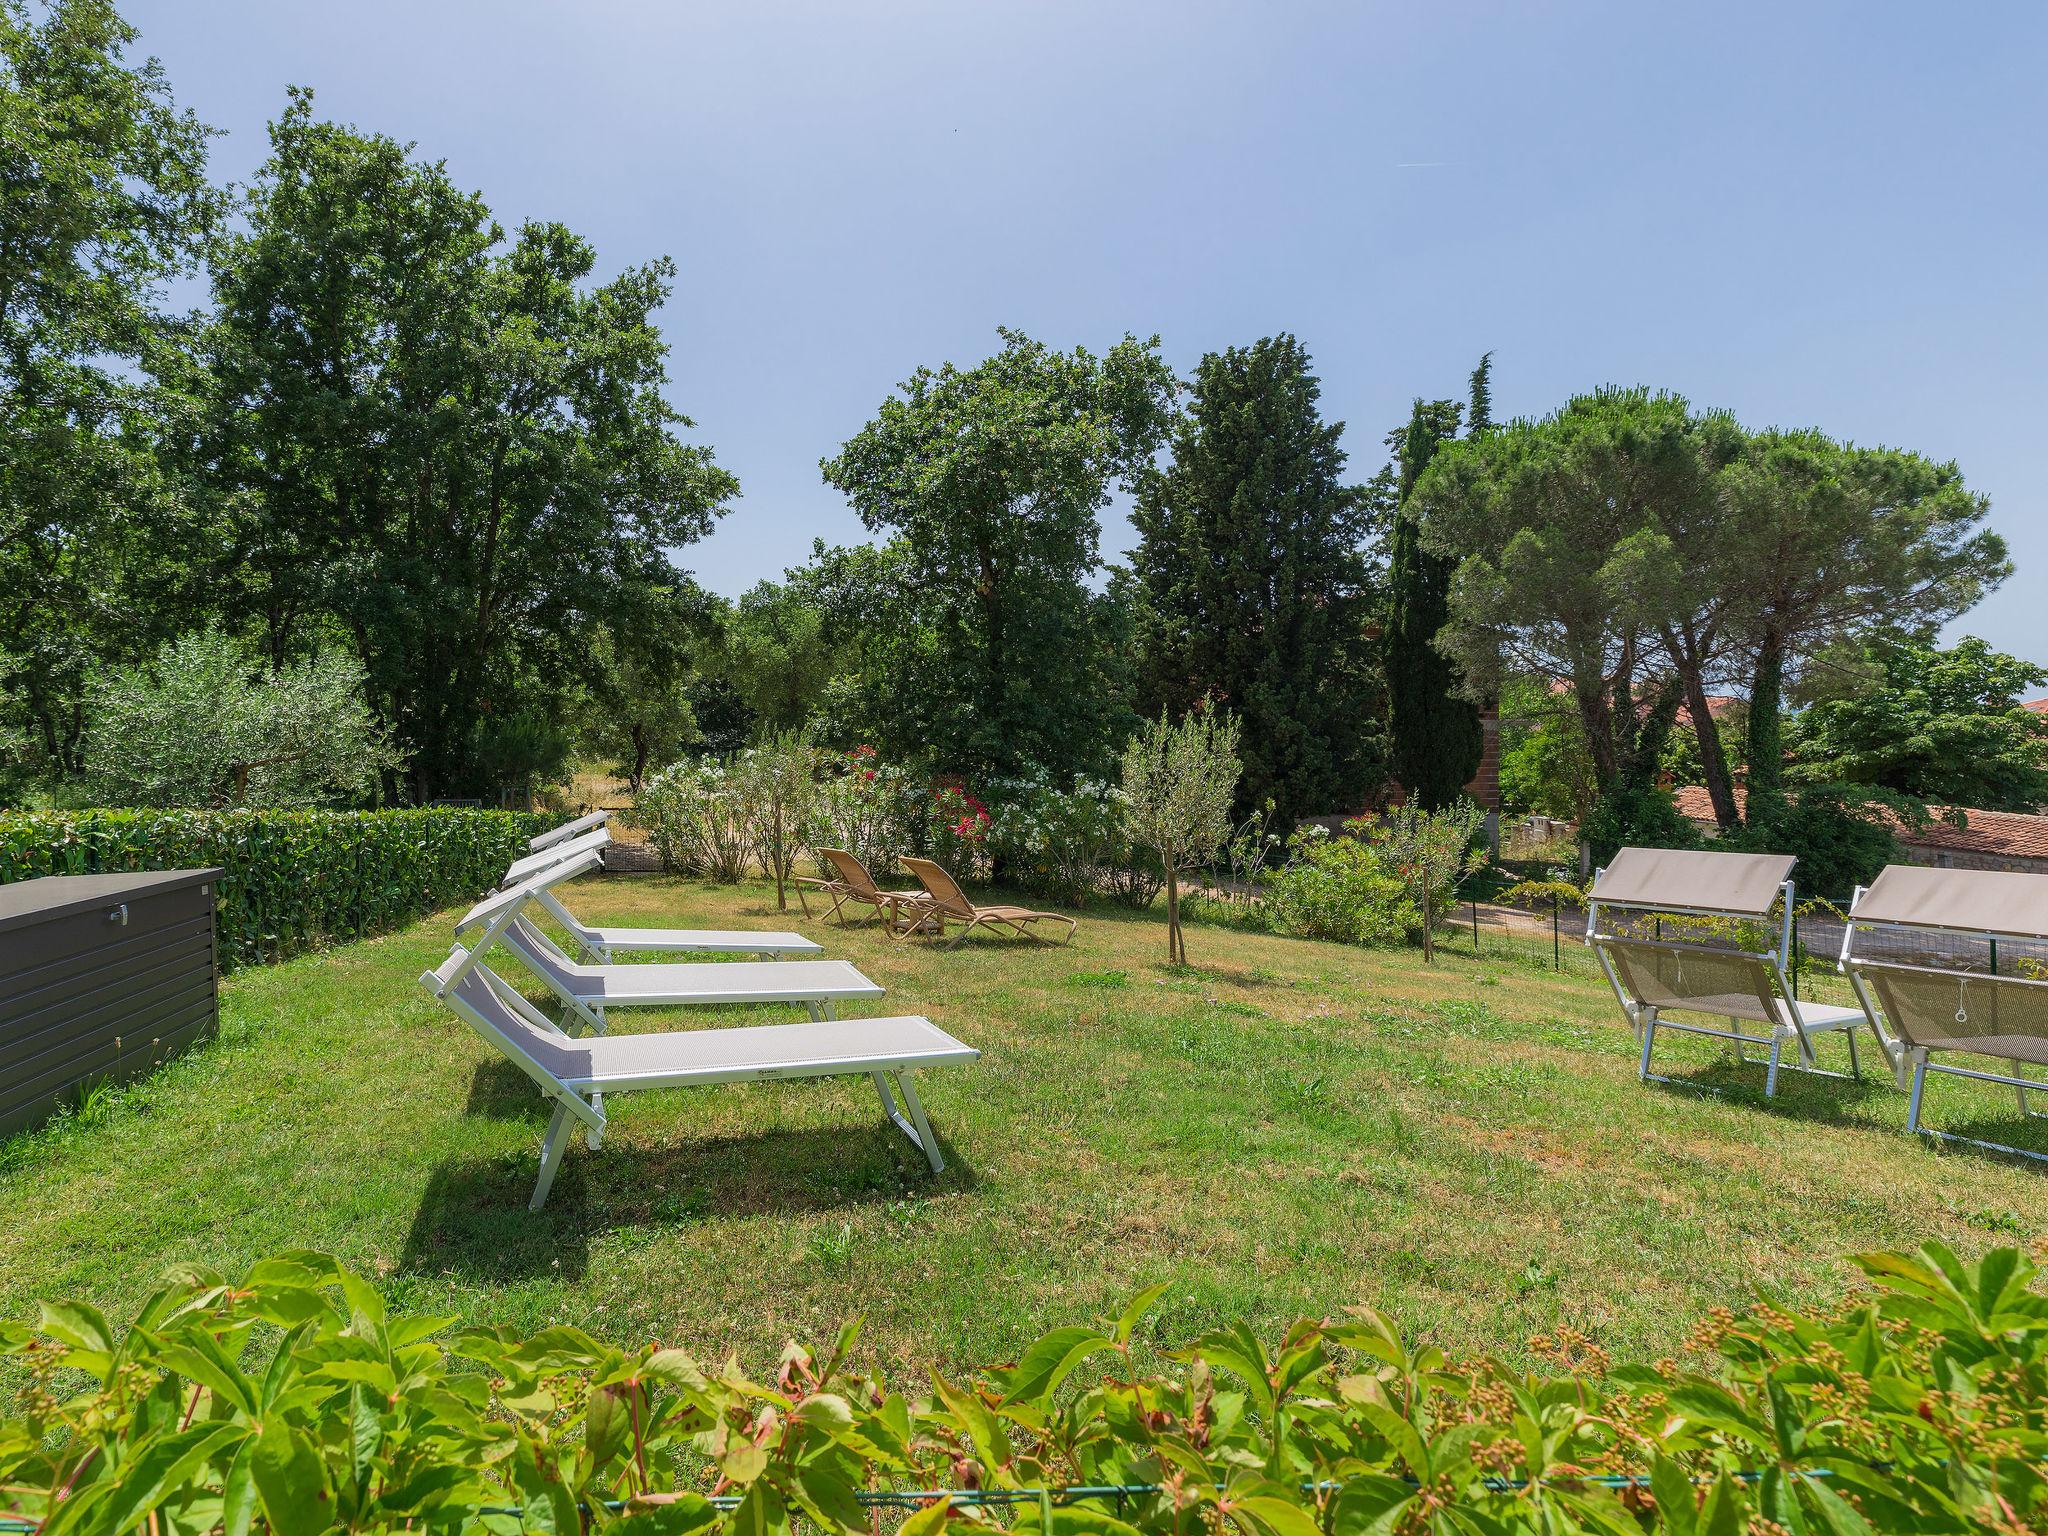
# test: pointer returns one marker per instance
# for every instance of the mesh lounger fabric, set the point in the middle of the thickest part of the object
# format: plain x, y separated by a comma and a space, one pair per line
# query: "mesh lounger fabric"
1695, 880
2001, 1016
1960, 900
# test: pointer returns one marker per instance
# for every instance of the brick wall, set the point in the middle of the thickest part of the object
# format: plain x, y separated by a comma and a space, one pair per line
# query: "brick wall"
1485, 785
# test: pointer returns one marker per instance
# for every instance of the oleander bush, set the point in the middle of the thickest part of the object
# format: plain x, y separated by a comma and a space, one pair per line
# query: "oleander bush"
293, 879
1071, 846
289, 1399
699, 819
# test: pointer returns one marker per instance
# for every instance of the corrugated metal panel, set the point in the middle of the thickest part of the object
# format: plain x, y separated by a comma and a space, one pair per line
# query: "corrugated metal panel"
100, 980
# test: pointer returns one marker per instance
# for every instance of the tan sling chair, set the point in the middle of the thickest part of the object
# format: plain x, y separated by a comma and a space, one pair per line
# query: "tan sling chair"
944, 903
851, 883
1936, 1003
1705, 898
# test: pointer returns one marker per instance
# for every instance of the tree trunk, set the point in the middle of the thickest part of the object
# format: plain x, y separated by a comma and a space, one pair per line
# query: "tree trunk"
639, 755
1176, 951
775, 857
1766, 740
1720, 788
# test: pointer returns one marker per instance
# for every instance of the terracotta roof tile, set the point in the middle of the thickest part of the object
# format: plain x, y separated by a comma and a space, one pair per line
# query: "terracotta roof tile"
1999, 834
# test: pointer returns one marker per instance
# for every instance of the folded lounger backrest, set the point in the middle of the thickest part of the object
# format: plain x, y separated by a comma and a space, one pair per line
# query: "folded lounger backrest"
1921, 949
533, 863
1698, 931
567, 830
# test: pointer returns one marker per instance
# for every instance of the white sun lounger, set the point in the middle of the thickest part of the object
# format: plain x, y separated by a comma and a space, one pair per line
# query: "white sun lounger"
1699, 968
587, 991
555, 853
567, 830
575, 1074
549, 868
1931, 999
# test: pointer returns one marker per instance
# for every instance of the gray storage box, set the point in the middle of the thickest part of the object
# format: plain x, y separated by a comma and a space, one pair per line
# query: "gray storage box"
101, 976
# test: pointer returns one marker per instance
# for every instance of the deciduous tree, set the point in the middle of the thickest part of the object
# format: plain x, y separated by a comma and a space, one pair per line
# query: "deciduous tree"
1942, 726
993, 478
1179, 779
450, 445
103, 183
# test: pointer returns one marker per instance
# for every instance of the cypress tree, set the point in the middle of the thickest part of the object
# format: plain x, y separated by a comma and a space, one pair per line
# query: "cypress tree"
1253, 581
1437, 739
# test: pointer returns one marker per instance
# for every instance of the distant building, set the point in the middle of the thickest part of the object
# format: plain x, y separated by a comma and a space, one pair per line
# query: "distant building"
1987, 840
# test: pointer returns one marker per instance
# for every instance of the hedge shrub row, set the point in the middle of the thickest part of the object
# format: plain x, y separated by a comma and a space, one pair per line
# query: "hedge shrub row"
294, 878
289, 1399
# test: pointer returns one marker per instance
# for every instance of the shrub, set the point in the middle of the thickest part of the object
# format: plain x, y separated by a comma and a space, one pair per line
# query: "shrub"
1429, 852
953, 828
293, 878
292, 1396
1841, 836
1337, 888
698, 820
778, 786
865, 807
207, 723
1070, 846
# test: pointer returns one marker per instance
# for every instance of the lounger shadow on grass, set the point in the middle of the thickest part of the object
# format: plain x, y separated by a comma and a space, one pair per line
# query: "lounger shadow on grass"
1809, 1096
472, 1219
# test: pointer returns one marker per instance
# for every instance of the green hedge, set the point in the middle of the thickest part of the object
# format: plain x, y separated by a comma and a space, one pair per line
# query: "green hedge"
289, 1400
294, 878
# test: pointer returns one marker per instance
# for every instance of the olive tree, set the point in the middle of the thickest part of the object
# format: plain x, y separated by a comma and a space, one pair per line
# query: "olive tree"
1178, 784
207, 723
1430, 852
778, 785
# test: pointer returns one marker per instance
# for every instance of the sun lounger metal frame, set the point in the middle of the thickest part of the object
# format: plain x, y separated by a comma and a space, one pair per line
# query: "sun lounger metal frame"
1894, 892
887, 1051
1763, 883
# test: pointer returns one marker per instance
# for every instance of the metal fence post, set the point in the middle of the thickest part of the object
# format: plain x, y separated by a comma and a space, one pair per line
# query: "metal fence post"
1556, 945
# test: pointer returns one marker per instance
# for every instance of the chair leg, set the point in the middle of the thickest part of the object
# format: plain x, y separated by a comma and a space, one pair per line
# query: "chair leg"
1649, 1041
926, 1141
1771, 1075
1855, 1066
1919, 1088
2019, 1092
552, 1146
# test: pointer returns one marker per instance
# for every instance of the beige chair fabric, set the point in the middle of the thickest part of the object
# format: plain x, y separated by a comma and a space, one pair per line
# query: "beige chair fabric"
1694, 880
1958, 901
1933, 1010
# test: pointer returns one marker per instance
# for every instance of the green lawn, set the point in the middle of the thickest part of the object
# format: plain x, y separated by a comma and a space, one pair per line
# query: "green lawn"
1288, 1127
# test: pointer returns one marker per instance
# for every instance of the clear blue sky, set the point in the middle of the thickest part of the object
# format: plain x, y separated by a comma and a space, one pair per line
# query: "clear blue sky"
1815, 214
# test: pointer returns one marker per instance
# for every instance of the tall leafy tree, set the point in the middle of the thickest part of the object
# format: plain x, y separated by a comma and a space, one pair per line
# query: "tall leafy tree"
1546, 515
1936, 725
1251, 561
1830, 540
103, 186
1435, 727
992, 480
447, 444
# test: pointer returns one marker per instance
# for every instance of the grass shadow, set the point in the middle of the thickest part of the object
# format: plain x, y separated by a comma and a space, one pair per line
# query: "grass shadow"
2017, 1135
472, 1220
500, 1091
1800, 1096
